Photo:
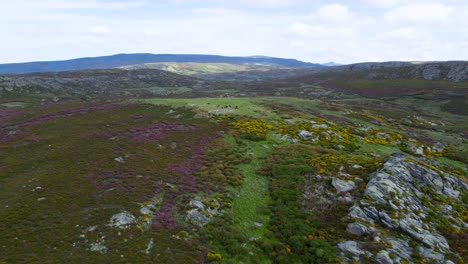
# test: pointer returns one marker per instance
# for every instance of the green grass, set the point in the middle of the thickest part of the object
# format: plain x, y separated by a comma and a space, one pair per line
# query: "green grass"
259, 107
383, 150
164, 90
253, 199
453, 163
239, 106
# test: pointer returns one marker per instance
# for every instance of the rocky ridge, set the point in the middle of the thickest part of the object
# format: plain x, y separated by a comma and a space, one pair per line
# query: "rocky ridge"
405, 206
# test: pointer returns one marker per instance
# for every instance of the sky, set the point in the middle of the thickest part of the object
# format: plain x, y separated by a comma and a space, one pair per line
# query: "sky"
314, 31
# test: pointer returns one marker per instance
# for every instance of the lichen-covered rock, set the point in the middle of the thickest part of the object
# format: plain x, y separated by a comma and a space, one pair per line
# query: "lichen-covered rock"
304, 134
400, 248
203, 211
383, 258
352, 247
343, 186
122, 220
431, 255
357, 229
397, 199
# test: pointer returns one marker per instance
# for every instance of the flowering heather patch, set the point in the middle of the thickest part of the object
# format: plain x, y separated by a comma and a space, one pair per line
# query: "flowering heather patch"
163, 218
9, 132
158, 130
6, 132
185, 180
6, 114
184, 172
71, 112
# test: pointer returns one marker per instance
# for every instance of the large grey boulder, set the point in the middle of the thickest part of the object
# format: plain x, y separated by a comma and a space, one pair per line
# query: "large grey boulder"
343, 186
122, 220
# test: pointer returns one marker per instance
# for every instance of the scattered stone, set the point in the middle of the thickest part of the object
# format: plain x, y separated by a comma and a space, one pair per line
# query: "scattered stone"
200, 214
149, 246
173, 145
122, 220
257, 224
91, 229
41, 199
319, 126
38, 188
145, 211
120, 160
304, 134
98, 247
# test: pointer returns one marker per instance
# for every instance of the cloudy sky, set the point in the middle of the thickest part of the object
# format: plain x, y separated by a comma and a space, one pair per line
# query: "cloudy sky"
316, 31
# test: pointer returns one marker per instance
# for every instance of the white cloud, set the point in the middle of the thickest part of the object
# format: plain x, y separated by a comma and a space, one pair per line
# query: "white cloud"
333, 12
344, 31
100, 30
82, 4
424, 13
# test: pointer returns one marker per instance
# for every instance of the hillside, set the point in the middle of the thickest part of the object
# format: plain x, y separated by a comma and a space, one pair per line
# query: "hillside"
222, 180
103, 84
119, 60
361, 164
432, 81
450, 70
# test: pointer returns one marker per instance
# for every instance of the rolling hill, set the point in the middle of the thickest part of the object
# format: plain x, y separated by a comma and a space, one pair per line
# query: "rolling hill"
119, 60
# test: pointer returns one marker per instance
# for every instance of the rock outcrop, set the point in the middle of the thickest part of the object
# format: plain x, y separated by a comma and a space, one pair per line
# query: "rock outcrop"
404, 205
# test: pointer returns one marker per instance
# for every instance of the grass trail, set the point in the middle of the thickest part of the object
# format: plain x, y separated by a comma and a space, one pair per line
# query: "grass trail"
253, 195
250, 207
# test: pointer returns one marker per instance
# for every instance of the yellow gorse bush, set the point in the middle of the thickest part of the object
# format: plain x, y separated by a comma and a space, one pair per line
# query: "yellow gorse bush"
214, 256
334, 164
326, 133
378, 136
254, 127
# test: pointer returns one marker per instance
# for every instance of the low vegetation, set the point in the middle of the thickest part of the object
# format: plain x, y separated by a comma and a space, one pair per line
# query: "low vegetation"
150, 166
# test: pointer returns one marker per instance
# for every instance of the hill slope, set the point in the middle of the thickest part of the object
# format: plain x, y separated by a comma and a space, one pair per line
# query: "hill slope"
119, 60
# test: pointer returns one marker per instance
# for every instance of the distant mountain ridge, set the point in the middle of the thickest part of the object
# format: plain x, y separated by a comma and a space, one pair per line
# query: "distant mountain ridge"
120, 60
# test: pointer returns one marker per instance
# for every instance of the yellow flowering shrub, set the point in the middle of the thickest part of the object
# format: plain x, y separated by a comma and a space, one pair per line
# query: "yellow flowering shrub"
214, 256
322, 132
253, 127
333, 164
378, 136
